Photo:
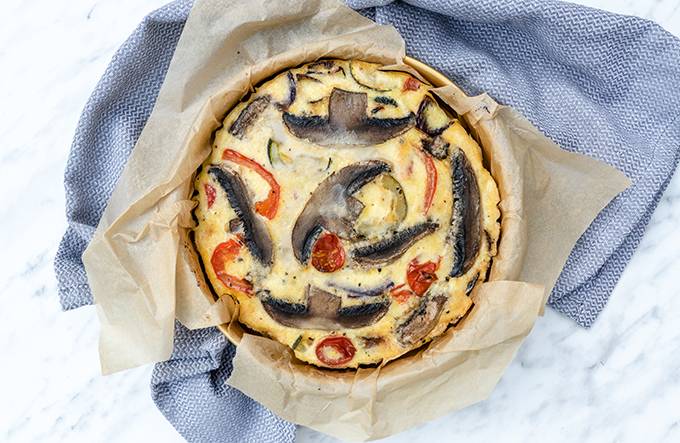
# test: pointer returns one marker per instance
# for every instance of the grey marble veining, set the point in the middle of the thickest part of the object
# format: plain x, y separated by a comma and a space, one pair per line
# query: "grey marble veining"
619, 381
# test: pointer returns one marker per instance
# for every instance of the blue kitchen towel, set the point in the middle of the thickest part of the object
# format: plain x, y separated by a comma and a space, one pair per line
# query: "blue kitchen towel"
191, 392
597, 83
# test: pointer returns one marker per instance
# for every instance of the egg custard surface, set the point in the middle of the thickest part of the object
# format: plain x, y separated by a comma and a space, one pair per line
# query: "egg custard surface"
346, 212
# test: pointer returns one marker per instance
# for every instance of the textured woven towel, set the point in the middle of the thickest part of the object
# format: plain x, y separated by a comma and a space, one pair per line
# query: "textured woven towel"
597, 83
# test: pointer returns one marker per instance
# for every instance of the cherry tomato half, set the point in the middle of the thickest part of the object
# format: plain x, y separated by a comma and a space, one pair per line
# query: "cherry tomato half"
335, 350
210, 194
420, 276
411, 84
328, 255
223, 254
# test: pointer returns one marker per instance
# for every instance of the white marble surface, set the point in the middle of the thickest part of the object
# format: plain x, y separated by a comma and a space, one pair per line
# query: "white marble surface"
619, 381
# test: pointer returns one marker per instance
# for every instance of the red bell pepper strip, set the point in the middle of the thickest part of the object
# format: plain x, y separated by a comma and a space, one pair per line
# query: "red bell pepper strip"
328, 254
223, 254
210, 194
269, 206
431, 184
341, 346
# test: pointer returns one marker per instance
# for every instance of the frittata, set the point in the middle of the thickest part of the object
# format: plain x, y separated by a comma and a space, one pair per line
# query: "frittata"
346, 212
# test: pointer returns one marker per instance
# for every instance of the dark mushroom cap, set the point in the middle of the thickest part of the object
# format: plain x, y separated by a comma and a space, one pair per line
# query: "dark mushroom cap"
248, 116
394, 246
332, 207
257, 238
324, 67
465, 226
437, 147
292, 93
347, 123
422, 320
322, 310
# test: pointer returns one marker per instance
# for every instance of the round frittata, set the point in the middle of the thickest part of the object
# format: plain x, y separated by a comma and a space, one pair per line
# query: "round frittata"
346, 212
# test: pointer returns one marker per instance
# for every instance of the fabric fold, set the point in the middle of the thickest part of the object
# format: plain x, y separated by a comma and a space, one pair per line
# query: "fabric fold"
190, 391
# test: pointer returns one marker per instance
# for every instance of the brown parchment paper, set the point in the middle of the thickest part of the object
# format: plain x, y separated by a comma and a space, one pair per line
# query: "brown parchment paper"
142, 269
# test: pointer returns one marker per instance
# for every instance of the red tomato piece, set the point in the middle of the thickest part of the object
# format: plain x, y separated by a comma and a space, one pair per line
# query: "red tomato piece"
400, 293
269, 206
420, 276
335, 350
223, 254
328, 255
431, 184
411, 84
210, 194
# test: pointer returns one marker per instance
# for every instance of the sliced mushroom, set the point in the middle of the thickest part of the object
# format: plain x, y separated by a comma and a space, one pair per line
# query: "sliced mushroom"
284, 91
351, 314
393, 247
300, 77
332, 207
354, 317
282, 310
357, 292
471, 284
322, 310
422, 320
431, 119
324, 67
465, 229
292, 92
257, 238
248, 116
437, 147
347, 123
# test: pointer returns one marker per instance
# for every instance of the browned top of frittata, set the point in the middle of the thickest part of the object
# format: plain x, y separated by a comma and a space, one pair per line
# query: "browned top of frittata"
346, 212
